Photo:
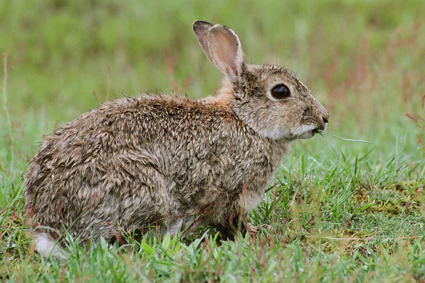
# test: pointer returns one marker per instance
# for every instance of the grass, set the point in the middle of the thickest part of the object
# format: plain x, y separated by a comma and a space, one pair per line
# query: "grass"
345, 212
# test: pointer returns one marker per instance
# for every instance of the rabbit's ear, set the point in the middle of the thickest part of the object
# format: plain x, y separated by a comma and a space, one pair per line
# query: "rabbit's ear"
226, 51
201, 29
222, 47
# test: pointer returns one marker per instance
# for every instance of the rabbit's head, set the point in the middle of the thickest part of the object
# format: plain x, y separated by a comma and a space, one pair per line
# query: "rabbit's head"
270, 100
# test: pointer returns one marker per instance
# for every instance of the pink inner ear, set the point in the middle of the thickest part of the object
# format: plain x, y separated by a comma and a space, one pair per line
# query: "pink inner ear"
224, 51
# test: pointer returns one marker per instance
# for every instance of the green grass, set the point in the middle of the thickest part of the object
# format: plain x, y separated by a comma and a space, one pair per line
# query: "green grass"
339, 211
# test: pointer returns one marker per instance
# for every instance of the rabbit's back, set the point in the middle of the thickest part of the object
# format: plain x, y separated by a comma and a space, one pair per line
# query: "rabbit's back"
137, 161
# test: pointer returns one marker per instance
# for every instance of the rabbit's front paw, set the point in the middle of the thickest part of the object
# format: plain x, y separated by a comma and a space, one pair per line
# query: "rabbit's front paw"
253, 230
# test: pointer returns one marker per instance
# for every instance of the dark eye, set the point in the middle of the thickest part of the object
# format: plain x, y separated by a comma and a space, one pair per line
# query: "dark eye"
280, 92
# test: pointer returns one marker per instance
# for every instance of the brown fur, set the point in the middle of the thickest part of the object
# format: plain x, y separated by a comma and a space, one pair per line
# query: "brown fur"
224, 98
158, 160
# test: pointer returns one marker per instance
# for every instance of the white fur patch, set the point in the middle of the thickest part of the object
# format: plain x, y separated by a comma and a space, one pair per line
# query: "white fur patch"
250, 200
47, 247
276, 133
304, 129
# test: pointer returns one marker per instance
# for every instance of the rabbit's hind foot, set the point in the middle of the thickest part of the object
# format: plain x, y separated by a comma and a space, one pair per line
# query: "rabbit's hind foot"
172, 228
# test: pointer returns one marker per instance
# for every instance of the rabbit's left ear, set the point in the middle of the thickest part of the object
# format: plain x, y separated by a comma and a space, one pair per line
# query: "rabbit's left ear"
201, 30
222, 47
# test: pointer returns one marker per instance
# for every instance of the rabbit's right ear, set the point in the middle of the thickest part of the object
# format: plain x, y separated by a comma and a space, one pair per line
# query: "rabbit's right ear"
222, 47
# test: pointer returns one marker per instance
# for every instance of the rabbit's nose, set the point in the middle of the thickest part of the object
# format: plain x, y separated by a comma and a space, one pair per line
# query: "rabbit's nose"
325, 116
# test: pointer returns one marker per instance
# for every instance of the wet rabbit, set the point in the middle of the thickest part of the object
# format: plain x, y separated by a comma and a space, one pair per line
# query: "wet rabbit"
168, 161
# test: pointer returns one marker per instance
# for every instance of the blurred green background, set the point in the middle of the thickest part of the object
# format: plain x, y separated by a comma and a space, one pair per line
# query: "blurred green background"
363, 59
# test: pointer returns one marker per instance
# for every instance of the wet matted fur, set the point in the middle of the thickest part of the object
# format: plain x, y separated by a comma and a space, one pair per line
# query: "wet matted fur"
170, 161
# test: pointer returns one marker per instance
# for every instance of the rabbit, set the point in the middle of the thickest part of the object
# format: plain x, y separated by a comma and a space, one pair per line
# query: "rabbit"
171, 162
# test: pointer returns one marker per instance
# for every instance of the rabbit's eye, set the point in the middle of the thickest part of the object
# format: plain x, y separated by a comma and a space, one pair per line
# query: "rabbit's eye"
280, 92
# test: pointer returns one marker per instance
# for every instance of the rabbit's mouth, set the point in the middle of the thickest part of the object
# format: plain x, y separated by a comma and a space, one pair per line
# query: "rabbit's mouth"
316, 131
319, 129
308, 131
